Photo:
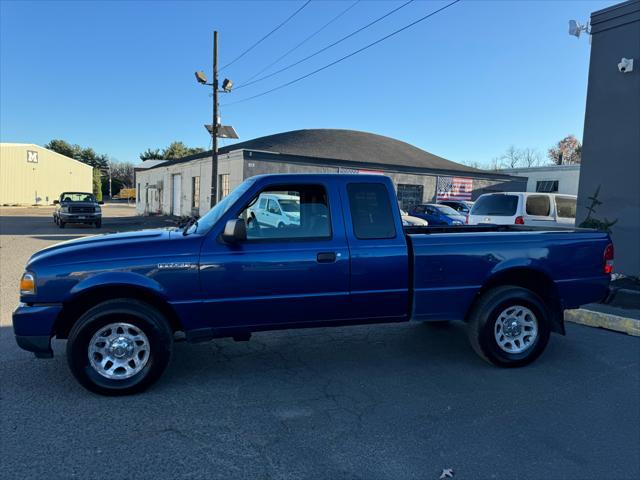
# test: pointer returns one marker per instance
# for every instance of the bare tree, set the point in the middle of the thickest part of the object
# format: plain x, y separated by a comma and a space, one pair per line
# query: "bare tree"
515, 157
510, 158
530, 157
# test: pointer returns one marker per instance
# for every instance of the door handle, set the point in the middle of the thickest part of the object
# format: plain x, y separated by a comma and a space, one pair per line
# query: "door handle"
326, 257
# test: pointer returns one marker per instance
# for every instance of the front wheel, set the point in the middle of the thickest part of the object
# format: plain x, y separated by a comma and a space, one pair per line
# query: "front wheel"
119, 347
98, 224
509, 326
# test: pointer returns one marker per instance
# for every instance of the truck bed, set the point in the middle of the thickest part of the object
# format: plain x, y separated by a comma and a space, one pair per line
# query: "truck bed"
450, 265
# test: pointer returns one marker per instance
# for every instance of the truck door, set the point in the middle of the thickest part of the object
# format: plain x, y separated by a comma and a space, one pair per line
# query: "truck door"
379, 254
280, 275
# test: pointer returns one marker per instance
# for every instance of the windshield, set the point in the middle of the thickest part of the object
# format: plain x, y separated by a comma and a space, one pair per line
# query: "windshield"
213, 215
291, 206
77, 197
500, 205
447, 211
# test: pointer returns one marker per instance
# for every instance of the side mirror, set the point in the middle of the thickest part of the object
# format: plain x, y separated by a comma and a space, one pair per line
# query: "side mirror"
235, 231
56, 202
100, 202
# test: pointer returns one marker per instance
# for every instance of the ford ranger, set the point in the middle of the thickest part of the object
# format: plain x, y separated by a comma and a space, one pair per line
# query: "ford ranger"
121, 299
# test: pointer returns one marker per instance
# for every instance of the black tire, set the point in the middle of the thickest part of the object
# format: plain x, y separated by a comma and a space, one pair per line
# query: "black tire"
486, 312
99, 224
139, 314
281, 225
61, 224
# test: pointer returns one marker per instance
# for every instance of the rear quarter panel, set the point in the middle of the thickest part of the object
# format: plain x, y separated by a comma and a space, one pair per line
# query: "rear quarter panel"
451, 268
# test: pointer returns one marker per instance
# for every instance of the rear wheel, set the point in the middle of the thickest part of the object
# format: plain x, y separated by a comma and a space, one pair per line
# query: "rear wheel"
119, 347
509, 326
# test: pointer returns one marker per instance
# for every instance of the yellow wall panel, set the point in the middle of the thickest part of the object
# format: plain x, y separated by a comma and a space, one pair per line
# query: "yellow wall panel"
30, 175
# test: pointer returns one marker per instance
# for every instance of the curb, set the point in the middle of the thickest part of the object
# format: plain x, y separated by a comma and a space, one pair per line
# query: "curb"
608, 321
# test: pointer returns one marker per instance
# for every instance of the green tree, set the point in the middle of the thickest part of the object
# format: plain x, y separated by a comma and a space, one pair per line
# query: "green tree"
63, 148
97, 184
85, 155
149, 154
174, 151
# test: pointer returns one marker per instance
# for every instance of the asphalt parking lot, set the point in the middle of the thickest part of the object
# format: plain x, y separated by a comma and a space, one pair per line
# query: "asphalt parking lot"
373, 402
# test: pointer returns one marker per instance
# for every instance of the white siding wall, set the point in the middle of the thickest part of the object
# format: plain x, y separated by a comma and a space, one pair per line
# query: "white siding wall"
156, 187
568, 177
160, 201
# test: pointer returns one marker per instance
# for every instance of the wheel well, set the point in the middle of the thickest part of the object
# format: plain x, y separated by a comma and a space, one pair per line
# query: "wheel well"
73, 309
536, 281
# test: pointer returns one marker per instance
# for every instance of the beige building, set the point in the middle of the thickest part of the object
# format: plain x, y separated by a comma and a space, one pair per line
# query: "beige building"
33, 175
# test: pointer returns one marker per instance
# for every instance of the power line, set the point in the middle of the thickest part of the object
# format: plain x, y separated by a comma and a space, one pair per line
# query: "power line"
421, 19
291, 50
327, 47
266, 36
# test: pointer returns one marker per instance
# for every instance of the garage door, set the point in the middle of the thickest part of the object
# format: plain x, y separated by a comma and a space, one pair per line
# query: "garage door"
176, 196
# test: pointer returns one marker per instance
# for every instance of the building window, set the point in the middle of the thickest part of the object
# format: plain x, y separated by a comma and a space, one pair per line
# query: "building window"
195, 192
547, 186
409, 195
224, 185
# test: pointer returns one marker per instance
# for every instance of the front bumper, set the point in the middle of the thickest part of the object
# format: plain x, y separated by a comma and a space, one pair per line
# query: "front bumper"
80, 217
33, 326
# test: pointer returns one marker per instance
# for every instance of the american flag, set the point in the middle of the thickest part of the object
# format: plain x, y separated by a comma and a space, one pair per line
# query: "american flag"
454, 188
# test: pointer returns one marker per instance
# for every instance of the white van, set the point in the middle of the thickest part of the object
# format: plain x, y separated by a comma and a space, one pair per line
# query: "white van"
277, 210
524, 208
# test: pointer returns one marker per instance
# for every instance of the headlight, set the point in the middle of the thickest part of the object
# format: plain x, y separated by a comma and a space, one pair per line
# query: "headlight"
28, 284
96, 209
64, 209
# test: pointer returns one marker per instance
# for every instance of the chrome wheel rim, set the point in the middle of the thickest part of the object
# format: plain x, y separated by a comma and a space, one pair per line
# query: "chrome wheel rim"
118, 351
516, 329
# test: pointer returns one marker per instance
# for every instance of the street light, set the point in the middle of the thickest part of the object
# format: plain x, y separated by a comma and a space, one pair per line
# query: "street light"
227, 85
201, 78
576, 28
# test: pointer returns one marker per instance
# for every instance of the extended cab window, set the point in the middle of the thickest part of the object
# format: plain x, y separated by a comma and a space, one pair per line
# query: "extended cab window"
538, 205
371, 211
292, 211
566, 207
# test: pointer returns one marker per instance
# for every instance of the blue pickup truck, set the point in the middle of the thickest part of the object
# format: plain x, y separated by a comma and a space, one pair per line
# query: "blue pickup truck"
121, 299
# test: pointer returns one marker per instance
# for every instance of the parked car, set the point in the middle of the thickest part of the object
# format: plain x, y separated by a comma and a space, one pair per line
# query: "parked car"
460, 206
277, 210
77, 207
409, 221
119, 298
437, 214
524, 208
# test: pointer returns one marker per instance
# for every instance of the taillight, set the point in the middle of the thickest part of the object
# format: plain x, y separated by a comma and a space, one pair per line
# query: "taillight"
519, 220
607, 265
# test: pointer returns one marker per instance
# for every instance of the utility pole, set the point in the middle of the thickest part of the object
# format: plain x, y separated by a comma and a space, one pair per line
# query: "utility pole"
215, 129
214, 125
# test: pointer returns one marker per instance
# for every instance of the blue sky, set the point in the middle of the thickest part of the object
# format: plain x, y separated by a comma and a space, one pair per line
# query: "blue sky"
465, 84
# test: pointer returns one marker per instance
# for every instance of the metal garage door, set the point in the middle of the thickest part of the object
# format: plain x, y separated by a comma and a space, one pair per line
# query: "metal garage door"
176, 197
